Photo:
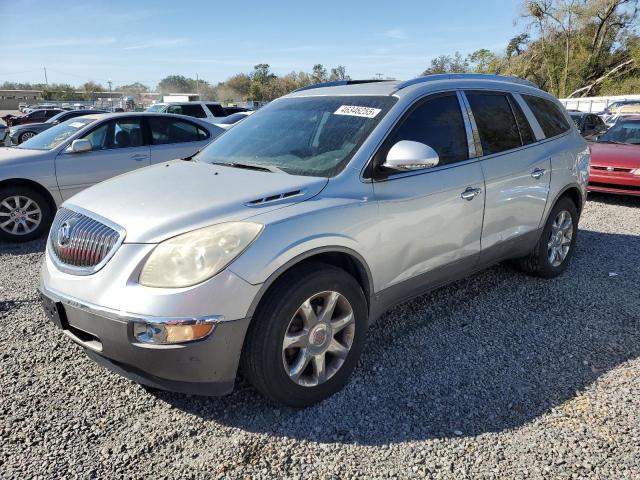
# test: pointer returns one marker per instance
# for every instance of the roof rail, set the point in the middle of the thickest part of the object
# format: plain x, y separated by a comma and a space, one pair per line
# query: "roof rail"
337, 83
460, 76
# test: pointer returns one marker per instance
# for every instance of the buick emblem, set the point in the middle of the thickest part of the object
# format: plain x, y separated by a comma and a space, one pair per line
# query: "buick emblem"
610, 169
64, 233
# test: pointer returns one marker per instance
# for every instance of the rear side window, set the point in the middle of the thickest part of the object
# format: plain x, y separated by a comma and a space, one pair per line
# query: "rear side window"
495, 121
216, 110
548, 114
190, 110
436, 122
167, 130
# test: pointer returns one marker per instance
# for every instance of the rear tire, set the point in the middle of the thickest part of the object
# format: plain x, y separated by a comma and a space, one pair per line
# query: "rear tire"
307, 335
24, 214
554, 250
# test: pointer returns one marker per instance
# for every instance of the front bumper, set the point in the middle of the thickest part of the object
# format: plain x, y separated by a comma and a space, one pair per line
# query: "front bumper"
202, 367
621, 183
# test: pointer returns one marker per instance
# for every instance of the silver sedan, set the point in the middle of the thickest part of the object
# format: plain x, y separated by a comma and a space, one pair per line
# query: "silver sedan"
39, 174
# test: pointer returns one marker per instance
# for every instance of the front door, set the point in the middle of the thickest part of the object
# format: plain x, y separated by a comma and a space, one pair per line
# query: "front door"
431, 219
174, 138
118, 146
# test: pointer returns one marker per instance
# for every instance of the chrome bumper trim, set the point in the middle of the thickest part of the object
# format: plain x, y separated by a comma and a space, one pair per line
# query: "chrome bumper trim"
124, 317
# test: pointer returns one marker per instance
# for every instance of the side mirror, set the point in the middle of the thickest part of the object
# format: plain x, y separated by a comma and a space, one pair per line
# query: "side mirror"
80, 146
409, 155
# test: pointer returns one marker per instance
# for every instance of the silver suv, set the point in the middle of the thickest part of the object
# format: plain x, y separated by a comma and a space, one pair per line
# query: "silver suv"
277, 246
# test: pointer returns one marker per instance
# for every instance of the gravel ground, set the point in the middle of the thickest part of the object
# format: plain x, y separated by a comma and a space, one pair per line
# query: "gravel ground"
497, 376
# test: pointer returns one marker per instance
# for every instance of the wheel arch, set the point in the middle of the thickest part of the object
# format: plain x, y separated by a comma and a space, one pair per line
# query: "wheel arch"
341, 257
24, 182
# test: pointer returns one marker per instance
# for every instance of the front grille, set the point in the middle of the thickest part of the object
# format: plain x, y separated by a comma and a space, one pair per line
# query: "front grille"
81, 243
615, 169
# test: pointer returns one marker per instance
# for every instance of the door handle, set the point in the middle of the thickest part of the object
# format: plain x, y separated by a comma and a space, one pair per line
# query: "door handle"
470, 193
538, 173
139, 157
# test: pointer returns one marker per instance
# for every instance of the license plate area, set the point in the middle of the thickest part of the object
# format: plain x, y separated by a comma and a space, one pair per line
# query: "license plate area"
55, 312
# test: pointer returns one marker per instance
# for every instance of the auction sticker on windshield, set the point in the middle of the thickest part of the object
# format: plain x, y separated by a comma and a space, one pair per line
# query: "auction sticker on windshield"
77, 124
355, 111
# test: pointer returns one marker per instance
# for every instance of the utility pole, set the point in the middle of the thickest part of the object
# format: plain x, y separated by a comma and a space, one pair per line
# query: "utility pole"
198, 86
46, 82
110, 98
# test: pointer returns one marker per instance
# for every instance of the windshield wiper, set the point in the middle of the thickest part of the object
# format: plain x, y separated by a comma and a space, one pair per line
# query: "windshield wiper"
251, 166
610, 141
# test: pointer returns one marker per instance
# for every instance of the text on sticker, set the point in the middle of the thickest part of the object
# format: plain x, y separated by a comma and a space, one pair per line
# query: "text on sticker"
76, 124
355, 111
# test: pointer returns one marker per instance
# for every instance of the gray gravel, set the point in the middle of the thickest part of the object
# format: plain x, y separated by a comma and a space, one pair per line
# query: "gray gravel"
497, 376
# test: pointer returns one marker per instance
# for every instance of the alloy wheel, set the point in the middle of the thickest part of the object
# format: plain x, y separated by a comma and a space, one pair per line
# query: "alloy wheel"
19, 215
27, 135
560, 238
318, 338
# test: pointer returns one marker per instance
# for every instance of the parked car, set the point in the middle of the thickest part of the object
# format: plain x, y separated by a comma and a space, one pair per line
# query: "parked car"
613, 112
232, 110
615, 159
22, 133
208, 111
22, 106
36, 116
589, 124
284, 238
230, 120
39, 174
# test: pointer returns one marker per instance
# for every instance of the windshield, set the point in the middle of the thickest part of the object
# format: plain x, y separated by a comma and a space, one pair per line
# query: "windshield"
624, 131
156, 108
312, 136
54, 136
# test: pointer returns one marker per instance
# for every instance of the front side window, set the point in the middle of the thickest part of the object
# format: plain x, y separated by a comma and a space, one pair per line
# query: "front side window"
168, 130
548, 114
156, 108
121, 133
495, 121
312, 136
189, 110
436, 122
216, 110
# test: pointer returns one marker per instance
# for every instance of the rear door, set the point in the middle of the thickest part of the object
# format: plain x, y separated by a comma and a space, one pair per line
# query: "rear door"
175, 138
118, 146
431, 218
517, 173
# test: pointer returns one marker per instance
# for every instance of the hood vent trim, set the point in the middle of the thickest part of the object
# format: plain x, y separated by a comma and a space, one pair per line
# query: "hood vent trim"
274, 198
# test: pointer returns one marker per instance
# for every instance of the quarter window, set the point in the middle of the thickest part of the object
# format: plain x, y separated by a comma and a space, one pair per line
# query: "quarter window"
216, 110
167, 130
495, 121
526, 133
436, 122
548, 114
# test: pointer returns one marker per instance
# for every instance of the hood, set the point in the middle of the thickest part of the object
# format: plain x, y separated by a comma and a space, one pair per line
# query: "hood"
615, 155
13, 155
167, 199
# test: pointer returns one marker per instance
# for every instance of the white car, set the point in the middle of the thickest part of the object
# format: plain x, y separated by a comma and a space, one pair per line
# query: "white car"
231, 120
211, 112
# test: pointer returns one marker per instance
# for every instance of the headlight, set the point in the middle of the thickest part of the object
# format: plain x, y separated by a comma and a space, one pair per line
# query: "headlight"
636, 172
196, 256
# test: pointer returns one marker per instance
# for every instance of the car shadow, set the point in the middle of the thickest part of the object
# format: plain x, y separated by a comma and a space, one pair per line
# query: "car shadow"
611, 199
33, 246
489, 353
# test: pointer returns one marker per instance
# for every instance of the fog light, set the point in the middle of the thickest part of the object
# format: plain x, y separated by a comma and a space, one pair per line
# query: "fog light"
167, 333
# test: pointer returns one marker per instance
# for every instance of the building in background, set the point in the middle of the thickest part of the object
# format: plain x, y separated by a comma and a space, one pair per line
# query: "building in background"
9, 99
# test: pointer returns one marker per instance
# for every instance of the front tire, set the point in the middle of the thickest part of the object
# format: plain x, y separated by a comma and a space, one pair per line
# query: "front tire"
554, 250
307, 335
23, 137
24, 214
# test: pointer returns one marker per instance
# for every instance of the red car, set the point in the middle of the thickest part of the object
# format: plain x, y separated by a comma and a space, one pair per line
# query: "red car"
615, 159
37, 116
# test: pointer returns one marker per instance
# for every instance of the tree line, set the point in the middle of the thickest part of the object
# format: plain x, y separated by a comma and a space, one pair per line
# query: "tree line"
571, 48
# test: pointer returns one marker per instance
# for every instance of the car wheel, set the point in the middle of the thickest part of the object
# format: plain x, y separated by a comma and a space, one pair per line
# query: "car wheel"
307, 335
24, 214
554, 250
23, 137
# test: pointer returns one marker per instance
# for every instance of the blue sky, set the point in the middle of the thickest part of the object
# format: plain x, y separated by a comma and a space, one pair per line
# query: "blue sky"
128, 41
